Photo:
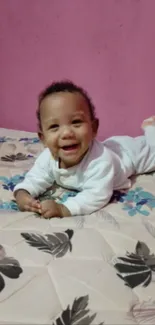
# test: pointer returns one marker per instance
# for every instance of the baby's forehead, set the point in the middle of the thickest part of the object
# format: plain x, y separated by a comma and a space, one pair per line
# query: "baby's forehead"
64, 101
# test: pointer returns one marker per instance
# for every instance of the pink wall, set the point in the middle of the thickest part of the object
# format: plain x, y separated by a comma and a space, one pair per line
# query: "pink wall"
107, 46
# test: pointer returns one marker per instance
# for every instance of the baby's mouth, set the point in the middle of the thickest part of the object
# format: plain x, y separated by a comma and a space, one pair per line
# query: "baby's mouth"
71, 147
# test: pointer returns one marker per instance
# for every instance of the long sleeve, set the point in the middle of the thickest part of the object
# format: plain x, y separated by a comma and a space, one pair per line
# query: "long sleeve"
97, 190
40, 177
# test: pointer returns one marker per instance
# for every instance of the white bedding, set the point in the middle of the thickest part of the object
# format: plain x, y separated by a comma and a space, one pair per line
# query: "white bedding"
96, 269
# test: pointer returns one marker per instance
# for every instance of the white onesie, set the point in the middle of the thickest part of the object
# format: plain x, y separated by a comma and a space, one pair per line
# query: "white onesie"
106, 166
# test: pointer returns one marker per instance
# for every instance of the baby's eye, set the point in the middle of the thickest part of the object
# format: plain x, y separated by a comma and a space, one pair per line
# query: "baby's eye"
53, 127
77, 121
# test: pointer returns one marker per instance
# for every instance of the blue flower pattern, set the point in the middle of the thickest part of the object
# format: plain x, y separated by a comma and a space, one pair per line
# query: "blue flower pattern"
66, 195
11, 205
5, 139
2, 139
26, 140
135, 200
9, 183
29, 140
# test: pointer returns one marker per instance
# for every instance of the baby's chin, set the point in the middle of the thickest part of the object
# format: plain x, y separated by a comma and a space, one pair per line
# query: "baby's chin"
68, 163
54, 155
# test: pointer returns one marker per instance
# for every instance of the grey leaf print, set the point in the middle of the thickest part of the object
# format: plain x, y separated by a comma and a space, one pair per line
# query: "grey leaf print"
2, 252
150, 228
86, 320
136, 268
106, 216
144, 313
9, 267
2, 283
80, 303
56, 244
19, 156
77, 314
142, 249
80, 222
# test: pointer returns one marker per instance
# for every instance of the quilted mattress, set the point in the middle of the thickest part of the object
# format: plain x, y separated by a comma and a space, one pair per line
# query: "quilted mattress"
95, 269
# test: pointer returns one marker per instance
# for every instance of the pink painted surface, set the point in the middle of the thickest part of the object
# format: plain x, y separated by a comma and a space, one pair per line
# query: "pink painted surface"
106, 46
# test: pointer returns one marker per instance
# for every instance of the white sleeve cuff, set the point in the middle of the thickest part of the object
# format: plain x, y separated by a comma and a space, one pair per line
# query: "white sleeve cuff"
27, 187
73, 207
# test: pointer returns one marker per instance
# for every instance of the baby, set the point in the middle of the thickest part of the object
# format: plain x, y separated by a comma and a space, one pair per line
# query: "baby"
76, 160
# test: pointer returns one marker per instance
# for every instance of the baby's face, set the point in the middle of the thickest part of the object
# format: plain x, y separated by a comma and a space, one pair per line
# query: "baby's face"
67, 129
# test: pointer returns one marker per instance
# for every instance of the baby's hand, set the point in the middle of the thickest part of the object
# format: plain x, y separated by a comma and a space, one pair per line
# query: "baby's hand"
32, 205
50, 209
26, 202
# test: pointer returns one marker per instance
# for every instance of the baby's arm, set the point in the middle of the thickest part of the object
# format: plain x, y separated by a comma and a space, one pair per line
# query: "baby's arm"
96, 193
36, 181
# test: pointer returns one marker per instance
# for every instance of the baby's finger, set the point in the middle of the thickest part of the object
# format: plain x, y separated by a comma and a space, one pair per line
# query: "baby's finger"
31, 209
47, 214
38, 204
35, 204
42, 209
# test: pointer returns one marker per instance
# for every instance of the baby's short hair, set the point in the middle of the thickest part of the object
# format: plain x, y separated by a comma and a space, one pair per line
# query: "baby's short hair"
65, 86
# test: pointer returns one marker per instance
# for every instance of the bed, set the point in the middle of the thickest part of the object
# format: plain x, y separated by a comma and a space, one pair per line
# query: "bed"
96, 269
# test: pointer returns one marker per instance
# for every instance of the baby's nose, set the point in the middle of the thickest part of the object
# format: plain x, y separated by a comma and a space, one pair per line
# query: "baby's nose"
67, 132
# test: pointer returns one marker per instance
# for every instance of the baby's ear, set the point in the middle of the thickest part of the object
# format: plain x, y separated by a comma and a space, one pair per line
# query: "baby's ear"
40, 136
95, 125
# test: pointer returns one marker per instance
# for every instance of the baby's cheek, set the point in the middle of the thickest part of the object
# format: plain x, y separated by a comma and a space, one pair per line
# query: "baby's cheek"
50, 142
53, 147
87, 135
54, 152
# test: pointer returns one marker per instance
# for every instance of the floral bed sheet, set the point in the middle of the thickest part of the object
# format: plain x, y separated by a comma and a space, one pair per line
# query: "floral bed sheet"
96, 269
